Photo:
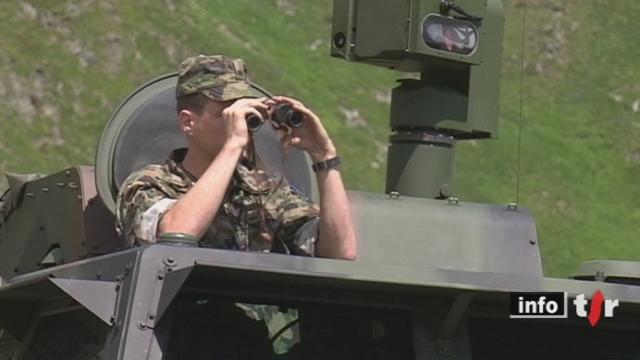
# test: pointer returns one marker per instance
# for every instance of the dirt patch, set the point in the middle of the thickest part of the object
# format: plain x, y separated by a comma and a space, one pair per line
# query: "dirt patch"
352, 117
381, 154
4, 184
85, 56
170, 5
116, 53
288, 7
56, 22
381, 151
224, 30
383, 96
24, 95
633, 157
175, 49
315, 45
548, 31
27, 11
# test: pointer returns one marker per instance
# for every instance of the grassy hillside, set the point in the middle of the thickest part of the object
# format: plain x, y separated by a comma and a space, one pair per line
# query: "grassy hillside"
580, 160
65, 65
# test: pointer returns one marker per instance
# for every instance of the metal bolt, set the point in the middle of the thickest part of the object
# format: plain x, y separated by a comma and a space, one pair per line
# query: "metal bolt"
453, 201
512, 206
394, 195
445, 349
142, 325
532, 242
46, 190
170, 262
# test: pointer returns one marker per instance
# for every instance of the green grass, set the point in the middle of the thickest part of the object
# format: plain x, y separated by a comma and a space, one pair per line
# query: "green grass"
64, 69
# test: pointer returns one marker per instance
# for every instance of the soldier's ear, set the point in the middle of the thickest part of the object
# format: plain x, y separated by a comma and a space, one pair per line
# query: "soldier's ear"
186, 118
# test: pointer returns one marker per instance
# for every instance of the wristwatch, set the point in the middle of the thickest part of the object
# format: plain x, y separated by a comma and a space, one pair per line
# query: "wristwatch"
326, 164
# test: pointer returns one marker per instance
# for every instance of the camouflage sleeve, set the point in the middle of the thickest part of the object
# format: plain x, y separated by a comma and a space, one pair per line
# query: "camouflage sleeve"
137, 211
297, 218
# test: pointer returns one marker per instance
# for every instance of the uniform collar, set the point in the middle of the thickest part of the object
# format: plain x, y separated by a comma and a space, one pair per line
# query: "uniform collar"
255, 181
174, 163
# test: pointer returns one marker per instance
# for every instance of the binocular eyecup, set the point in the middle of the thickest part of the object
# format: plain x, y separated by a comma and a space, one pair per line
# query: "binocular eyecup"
283, 116
254, 122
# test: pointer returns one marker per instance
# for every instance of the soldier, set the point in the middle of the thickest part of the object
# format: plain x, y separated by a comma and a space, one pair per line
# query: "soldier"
213, 192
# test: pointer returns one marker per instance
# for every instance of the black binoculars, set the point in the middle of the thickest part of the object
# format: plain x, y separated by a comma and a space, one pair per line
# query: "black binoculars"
283, 116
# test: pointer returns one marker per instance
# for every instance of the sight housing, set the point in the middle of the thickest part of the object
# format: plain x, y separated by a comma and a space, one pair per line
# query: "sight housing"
456, 48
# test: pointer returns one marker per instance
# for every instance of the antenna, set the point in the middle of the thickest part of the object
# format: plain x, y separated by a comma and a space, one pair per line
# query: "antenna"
522, 53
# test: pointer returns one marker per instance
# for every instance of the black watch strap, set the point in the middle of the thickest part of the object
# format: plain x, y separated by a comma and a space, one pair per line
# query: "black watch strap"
326, 164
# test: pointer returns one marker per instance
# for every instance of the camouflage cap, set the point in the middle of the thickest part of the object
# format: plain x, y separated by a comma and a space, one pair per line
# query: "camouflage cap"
217, 77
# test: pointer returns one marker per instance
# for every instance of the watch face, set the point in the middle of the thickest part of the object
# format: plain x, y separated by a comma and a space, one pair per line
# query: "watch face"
449, 34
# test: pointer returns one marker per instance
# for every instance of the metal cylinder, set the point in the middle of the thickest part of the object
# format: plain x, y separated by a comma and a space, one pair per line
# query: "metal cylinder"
421, 164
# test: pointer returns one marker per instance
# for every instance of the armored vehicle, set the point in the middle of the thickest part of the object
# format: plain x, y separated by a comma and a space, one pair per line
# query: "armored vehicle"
436, 278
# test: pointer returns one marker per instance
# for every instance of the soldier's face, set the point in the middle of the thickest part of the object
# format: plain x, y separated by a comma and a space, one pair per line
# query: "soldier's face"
208, 130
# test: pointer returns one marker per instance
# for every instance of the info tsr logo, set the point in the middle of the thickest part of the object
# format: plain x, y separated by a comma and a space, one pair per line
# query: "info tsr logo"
550, 305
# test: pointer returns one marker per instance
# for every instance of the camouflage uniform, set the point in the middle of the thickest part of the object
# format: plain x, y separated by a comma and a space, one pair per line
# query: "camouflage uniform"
289, 217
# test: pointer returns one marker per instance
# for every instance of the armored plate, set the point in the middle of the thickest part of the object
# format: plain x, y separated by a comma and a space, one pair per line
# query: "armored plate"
144, 129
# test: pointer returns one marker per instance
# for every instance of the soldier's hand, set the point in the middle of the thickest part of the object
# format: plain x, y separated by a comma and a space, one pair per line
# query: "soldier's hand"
311, 136
234, 117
